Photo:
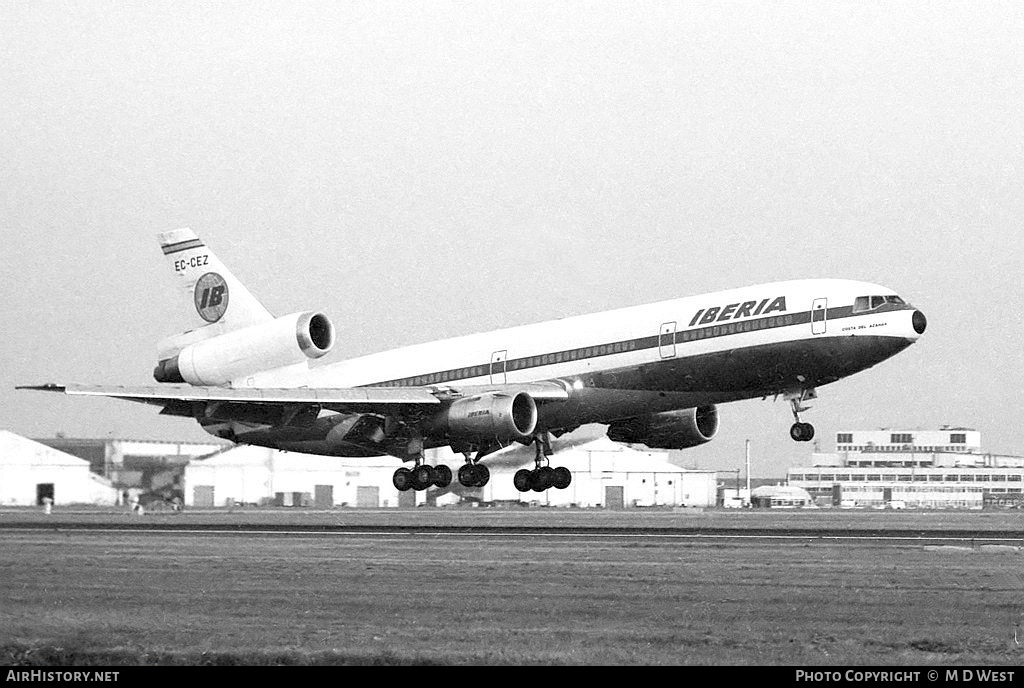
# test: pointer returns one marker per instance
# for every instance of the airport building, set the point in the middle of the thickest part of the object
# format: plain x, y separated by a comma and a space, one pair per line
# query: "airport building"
780, 497
137, 467
31, 472
108, 471
933, 469
604, 474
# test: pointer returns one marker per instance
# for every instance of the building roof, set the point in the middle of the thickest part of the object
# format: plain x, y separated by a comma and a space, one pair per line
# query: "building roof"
18, 450
781, 492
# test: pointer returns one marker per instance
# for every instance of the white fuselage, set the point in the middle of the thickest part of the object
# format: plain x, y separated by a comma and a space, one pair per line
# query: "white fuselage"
628, 338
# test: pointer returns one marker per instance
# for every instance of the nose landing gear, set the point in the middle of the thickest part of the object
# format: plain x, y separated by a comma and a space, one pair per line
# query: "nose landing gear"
799, 431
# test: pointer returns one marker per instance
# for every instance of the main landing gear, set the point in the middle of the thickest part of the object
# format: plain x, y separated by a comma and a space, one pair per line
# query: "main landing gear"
801, 432
422, 475
543, 476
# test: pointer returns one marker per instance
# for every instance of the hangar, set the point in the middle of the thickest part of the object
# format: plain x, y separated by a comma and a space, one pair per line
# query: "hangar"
30, 472
248, 475
605, 474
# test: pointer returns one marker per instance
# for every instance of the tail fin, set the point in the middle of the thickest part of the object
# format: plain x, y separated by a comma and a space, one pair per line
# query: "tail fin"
213, 297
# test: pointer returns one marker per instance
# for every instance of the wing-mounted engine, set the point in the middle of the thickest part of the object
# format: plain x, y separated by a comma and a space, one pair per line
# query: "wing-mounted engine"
286, 341
668, 430
490, 416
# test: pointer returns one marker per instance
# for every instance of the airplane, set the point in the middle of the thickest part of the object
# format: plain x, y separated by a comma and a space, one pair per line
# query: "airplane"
654, 374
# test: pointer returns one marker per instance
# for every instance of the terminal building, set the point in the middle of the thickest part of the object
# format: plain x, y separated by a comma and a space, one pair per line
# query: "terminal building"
925, 469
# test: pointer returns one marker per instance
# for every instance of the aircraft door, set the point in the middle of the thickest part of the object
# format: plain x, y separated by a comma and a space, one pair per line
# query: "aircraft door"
498, 367
819, 316
667, 340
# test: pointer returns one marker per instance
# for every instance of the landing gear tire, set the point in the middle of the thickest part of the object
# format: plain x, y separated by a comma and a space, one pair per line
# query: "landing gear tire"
543, 478
474, 475
523, 480
442, 476
802, 432
562, 477
467, 475
402, 479
482, 475
422, 477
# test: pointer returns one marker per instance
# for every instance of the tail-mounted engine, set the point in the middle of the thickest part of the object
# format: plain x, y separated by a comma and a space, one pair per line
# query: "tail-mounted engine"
219, 360
668, 430
491, 416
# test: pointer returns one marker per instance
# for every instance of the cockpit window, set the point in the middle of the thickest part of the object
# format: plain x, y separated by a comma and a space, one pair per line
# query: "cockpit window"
869, 303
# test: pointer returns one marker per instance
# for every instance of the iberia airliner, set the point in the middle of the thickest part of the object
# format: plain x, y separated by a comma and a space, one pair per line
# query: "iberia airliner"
654, 374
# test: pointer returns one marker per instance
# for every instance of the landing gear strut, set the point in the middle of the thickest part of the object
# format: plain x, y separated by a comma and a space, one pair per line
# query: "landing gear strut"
543, 476
801, 432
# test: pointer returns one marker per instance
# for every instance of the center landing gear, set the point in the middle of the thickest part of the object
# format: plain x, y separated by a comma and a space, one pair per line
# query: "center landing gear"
473, 473
422, 475
801, 432
543, 476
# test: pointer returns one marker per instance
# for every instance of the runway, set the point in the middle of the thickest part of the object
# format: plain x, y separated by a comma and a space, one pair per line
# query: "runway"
473, 587
568, 534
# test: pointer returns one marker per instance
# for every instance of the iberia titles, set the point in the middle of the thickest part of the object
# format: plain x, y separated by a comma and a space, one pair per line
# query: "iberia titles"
733, 311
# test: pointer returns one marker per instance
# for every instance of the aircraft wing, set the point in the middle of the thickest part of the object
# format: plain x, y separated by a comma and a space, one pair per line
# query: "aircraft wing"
383, 400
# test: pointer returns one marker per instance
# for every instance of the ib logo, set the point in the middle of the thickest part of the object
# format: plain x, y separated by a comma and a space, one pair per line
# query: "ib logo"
211, 297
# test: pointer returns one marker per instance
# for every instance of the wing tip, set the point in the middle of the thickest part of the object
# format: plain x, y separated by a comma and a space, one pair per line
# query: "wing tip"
48, 387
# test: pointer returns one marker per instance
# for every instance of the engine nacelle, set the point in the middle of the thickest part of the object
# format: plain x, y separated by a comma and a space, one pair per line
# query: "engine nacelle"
668, 430
493, 415
218, 360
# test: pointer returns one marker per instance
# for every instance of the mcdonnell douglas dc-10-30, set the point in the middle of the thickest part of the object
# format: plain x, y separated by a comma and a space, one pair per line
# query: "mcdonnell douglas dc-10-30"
654, 374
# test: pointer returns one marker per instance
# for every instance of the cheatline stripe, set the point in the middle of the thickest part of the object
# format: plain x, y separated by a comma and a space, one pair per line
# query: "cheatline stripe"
637, 344
183, 246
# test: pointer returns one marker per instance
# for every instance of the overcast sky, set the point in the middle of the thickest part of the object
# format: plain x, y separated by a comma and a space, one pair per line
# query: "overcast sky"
423, 170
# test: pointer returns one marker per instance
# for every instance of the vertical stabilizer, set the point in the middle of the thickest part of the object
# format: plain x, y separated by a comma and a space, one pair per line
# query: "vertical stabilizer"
215, 301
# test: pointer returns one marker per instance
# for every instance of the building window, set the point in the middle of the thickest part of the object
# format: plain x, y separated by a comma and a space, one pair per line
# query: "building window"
901, 438
844, 438
958, 438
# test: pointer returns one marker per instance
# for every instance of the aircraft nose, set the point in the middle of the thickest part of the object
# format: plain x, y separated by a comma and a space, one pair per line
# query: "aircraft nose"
919, 322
